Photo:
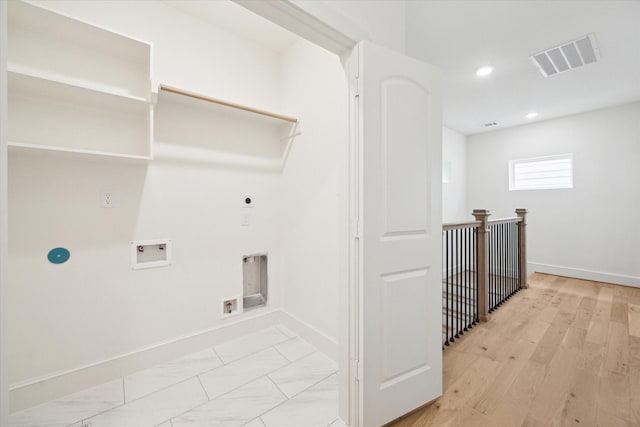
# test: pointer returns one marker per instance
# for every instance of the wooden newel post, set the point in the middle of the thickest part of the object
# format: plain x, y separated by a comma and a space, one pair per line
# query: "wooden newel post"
522, 242
483, 263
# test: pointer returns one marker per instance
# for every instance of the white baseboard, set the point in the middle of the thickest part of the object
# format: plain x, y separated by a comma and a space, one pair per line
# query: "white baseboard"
321, 341
34, 391
579, 273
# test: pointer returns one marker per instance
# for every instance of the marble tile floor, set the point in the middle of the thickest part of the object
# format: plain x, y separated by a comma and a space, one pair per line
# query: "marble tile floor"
271, 378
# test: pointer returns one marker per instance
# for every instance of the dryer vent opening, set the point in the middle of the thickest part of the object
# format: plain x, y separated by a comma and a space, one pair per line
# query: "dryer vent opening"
254, 281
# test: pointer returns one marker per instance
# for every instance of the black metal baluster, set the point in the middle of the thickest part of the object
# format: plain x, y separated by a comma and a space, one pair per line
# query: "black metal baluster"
506, 261
475, 249
509, 261
517, 249
514, 264
519, 283
454, 239
463, 279
469, 262
509, 257
463, 274
460, 247
458, 329
496, 260
467, 245
492, 268
454, 323
502, 264
497, 271
513, 257
467, 291
446, 280
498, 265
490, 254
510, 242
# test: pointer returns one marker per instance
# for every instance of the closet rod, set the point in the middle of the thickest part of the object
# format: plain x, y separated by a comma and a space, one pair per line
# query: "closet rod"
226, 103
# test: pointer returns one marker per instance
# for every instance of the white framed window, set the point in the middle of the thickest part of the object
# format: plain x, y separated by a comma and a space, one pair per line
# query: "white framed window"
541, 173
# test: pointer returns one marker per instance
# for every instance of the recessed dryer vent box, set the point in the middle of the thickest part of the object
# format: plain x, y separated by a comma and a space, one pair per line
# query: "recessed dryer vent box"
254, 281
150, 253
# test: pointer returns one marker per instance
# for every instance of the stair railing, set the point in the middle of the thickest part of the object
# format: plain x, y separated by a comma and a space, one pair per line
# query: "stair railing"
484, 264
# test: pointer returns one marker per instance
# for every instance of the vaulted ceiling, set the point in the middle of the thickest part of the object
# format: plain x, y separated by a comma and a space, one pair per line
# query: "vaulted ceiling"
461, 36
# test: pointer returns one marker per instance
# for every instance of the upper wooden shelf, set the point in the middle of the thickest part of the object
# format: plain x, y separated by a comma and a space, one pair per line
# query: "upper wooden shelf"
61, 79
48, 44
76, 88
206, 98
40, 85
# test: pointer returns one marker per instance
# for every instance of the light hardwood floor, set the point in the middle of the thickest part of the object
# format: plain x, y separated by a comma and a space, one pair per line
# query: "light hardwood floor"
563, 352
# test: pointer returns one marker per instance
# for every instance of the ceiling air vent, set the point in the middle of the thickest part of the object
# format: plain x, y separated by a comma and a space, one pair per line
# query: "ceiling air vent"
567, 56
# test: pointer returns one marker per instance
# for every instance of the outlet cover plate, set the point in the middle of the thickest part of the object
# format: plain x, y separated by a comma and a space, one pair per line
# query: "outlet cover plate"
107, 199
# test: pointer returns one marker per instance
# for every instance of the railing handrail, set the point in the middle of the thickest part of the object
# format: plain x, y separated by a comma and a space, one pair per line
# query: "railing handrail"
460, 225
505, 220
476, 224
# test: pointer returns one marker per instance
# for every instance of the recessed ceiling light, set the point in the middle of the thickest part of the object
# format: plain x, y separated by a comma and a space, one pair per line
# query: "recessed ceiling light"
484, 71
532, 115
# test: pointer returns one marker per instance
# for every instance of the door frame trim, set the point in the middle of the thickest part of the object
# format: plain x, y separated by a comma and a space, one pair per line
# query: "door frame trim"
4, 225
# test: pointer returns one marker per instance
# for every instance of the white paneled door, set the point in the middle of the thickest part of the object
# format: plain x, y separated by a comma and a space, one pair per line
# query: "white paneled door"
396, 182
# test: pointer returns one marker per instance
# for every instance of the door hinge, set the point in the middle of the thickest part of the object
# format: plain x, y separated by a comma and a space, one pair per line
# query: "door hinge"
356, 229
356, 370
355, 87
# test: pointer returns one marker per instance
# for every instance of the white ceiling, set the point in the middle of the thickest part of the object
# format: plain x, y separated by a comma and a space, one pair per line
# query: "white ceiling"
461, 36
239, 21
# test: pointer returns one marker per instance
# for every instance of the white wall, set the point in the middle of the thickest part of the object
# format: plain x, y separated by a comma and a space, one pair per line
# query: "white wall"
314, 186
94, 307
454, 185
187, 50
590, 231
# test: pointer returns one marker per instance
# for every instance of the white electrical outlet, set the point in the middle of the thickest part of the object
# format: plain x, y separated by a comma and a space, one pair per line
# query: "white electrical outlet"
106, 199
